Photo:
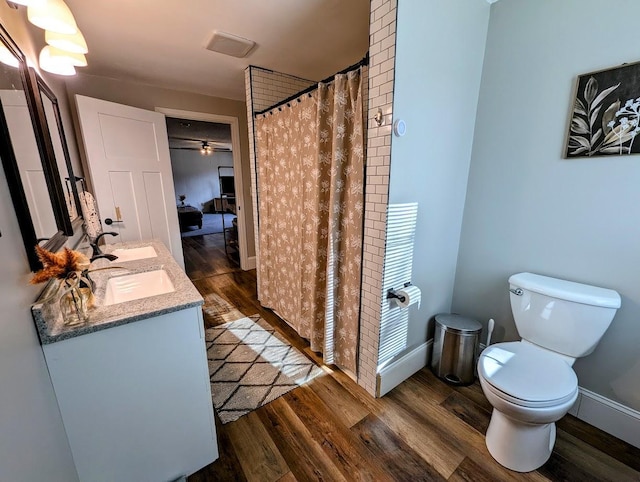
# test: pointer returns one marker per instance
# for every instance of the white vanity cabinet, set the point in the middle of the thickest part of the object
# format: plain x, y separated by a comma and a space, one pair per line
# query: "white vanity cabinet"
136, 399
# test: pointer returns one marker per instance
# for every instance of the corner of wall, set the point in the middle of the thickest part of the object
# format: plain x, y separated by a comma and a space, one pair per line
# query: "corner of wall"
382, 42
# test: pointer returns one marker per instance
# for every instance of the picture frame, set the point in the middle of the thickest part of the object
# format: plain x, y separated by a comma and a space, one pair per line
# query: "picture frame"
605, 115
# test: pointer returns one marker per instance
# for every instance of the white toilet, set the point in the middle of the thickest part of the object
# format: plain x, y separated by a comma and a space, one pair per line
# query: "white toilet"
530, 383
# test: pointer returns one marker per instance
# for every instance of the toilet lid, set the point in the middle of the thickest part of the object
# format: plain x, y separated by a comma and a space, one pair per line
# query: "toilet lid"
527, 373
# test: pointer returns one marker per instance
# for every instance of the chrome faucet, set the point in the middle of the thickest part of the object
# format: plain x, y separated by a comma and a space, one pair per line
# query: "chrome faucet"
97, 252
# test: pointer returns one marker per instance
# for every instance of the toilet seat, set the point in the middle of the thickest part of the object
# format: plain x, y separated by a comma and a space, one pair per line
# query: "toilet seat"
526, 375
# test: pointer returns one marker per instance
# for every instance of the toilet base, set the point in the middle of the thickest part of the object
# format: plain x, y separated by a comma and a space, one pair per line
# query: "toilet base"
519, 446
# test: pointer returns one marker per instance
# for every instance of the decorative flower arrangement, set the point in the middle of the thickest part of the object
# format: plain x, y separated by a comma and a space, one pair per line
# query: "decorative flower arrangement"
59, 265
71, 268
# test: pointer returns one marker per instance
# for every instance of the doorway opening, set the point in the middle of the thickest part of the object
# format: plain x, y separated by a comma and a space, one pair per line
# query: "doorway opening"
207, 173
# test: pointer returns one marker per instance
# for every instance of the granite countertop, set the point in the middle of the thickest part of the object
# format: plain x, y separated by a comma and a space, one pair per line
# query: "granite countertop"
49, 321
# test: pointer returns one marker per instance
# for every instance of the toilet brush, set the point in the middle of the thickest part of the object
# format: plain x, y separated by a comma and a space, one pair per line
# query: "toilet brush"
490, 331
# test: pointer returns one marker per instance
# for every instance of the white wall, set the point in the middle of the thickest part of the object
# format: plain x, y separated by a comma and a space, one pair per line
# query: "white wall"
196, 176
439, 55
527, 208
33, 443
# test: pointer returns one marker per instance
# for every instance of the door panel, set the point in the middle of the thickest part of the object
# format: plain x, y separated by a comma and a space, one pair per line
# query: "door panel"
35, 187
124, 202
139, 135
154, 191
29, 162
128, 158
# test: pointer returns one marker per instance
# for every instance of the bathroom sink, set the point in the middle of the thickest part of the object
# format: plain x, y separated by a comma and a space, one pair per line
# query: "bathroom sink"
136, 286
132, 254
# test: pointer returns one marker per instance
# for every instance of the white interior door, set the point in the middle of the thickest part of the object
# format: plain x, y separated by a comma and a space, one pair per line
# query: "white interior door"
29, 162
128, 158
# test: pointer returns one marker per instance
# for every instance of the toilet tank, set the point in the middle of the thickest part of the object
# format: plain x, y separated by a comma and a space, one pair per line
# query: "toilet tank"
563, 316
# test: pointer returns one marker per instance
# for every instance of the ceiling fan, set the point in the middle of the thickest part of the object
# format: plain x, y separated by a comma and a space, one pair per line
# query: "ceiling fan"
206, 147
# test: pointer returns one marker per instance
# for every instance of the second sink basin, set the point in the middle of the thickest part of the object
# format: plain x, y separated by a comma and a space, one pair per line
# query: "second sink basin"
132, 254
136, 286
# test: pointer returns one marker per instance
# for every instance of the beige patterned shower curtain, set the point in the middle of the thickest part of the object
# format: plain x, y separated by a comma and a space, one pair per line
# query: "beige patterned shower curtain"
310, 161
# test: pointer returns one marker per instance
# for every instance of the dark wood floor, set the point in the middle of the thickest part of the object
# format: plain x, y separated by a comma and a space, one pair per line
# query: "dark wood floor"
332, 430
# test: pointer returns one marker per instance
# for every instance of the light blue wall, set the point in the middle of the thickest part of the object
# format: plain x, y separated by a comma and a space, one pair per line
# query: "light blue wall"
439, 55
527, 208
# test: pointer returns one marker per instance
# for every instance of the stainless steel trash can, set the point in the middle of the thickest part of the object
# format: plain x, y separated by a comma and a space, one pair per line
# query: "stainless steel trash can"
455, 348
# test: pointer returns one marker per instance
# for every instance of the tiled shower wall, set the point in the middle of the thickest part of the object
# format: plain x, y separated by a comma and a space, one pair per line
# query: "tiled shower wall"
265, 88
382, 43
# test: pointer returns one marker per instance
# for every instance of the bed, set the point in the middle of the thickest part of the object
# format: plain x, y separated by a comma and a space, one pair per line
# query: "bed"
189, 216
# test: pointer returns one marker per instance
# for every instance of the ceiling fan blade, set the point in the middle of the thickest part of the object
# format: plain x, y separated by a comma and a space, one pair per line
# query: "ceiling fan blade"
215, 149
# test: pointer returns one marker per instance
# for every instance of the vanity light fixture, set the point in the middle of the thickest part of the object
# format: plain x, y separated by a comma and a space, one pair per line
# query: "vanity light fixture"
74, 43
54, 64
52, 15
26, 3
77, 60
7, 58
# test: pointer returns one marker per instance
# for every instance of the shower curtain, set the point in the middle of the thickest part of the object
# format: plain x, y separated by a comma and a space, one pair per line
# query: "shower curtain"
310, 188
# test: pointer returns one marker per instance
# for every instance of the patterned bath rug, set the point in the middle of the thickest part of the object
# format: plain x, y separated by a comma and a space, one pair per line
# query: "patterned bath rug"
217, 310
250, 365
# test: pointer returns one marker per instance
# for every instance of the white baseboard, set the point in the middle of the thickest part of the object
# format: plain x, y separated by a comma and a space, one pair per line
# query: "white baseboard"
397, 372
610, 416
250, 264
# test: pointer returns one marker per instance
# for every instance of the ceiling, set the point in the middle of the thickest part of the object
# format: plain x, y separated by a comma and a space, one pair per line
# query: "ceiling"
161, 42
190, 134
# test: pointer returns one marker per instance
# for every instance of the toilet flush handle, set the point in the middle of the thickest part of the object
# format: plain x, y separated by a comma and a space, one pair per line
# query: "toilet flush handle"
516, 291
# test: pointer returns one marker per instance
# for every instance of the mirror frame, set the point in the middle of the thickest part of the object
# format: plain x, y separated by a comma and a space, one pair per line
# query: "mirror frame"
44, 89
47, 157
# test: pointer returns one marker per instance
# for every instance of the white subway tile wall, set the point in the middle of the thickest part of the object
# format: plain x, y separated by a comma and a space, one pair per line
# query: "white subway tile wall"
382, 52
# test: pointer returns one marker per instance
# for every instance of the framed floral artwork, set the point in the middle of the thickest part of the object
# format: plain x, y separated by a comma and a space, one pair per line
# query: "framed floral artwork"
605, 120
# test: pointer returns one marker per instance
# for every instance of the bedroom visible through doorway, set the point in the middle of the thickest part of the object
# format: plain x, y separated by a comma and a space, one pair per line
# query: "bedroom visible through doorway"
214, 136
203, 173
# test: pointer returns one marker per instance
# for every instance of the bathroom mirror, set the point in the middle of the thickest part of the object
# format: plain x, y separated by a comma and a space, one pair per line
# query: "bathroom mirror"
60, 148
27, 156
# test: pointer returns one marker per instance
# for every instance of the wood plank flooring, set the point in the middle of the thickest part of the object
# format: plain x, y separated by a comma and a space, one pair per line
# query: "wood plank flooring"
332, 430
204, 256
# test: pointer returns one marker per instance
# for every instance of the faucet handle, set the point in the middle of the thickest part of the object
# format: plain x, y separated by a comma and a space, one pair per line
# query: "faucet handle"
95, 245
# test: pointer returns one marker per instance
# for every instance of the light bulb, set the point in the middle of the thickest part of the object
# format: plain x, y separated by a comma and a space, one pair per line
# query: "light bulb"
55, 65
52, 15
77, 60
7, 58
70, 42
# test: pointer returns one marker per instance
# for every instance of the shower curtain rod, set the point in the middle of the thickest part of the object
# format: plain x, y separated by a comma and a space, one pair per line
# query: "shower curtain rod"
364, 61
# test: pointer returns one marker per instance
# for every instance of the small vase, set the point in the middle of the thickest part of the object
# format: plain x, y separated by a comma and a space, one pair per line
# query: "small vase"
75, 302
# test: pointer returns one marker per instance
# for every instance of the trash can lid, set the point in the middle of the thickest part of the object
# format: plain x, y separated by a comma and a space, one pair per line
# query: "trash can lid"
458, 323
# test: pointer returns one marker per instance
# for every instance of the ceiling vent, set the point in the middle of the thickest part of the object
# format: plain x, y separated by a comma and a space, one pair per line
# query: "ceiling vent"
228, 44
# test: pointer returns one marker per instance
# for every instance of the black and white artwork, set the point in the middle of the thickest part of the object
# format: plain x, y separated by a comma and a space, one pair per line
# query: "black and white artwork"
606, 114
